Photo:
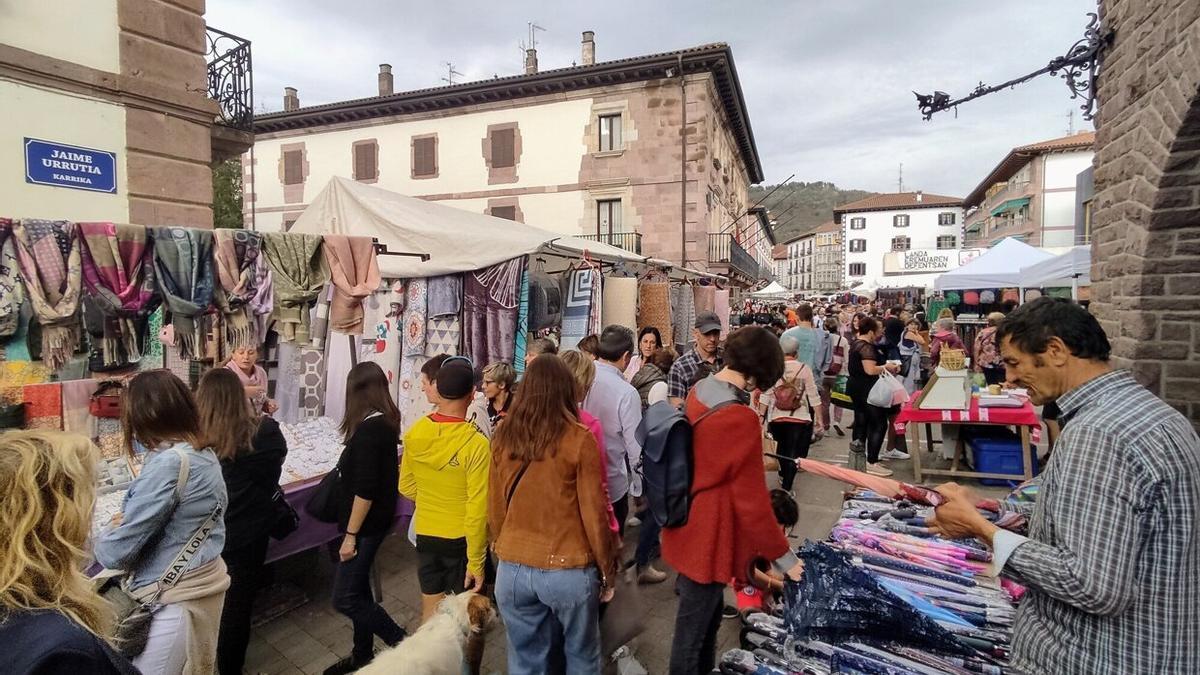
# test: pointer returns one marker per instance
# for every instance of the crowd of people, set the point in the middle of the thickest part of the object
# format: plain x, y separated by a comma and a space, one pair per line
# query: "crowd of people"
523, 491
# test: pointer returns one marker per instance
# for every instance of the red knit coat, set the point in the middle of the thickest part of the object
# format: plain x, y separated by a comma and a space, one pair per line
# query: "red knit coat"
730, 522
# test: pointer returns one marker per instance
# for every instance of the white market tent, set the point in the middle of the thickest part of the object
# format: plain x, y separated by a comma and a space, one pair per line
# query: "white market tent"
455, 240
1072, 267
997, 267
772, 290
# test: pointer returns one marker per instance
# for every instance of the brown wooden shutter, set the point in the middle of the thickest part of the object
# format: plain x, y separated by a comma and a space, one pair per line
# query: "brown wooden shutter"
293, 167
502, 149
506, 212
424, 156
364, 161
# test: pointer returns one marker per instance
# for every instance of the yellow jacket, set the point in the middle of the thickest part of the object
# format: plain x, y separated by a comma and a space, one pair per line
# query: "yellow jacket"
444, 470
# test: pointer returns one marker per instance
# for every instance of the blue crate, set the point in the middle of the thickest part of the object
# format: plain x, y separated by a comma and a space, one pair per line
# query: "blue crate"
1000, 455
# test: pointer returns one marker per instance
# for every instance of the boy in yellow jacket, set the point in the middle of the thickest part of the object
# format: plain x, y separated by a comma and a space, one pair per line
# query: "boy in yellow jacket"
444, 470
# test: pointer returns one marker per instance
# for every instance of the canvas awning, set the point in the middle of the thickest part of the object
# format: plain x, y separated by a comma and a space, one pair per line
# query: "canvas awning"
772, 290
1010, 205
998, 267
1069, 269
456, 240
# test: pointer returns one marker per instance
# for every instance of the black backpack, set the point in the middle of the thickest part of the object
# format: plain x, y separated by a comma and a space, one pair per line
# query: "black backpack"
665, 435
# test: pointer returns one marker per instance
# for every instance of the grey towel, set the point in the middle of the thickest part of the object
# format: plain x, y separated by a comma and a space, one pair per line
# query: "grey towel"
445, 295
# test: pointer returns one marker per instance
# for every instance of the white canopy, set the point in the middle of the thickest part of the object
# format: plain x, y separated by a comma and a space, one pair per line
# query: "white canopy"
771, 290
1071, 268
456, 240
999, 266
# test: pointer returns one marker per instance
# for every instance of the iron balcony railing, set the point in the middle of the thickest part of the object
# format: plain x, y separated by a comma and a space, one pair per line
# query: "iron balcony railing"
723, 249
231, 78
629, 241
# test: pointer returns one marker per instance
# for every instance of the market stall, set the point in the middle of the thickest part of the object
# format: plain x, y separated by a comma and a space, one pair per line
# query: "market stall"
1072, 270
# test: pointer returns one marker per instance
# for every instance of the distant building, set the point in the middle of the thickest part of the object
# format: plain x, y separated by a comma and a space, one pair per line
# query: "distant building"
828, 269
1031, 194
799, 277
900, 239
606, 150
779, 254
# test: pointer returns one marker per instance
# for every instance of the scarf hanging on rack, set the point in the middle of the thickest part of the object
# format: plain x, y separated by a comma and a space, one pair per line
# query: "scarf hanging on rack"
12, 293
654, 308
445, 295
49, 258
490, 302
415, 306
239, 268
577, 305
595, 325
183, 270
683, 316
544, 300
118, 273
621, 302
522, 324
354, 269
299, 273
721, 308
706, 299
263, 302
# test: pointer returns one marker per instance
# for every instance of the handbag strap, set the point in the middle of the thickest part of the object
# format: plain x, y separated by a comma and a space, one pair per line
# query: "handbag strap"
175, 571
512, 489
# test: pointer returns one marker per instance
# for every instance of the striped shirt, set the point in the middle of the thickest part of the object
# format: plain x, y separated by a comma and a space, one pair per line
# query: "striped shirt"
1112, 561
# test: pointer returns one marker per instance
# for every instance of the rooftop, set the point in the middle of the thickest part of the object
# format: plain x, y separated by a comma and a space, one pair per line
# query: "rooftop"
830, 226
1020, 156
896, 201
716, 58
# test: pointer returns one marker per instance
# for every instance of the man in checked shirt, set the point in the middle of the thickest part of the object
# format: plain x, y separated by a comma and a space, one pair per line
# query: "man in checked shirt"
1112, 559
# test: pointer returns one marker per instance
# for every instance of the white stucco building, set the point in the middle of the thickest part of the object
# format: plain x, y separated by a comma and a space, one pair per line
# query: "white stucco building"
901, 239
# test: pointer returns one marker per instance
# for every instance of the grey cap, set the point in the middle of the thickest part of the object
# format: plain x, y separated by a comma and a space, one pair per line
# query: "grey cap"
707, 322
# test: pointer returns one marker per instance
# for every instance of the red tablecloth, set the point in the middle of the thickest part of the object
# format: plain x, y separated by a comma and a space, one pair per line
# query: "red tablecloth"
1023, 416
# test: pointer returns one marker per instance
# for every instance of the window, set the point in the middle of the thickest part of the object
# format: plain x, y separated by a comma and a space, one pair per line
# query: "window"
503, 155
506, 212
366, 161
858, 245
946, 218
900, 243
610, 133
858, 269
608, 217
947, 241
424, 156
900, 221
858, 223
293, 167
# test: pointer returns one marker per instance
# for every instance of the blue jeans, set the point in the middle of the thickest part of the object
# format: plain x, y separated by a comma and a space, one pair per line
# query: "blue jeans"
537, 603
647, 547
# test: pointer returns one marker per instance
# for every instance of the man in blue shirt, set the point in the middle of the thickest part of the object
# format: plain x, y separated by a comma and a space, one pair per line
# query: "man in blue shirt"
618, 406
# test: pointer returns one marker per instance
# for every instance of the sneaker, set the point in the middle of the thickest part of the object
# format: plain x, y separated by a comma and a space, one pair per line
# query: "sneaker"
896, 454
839, 431
878, 470
649, 575
633, 521
729, 612
348, 665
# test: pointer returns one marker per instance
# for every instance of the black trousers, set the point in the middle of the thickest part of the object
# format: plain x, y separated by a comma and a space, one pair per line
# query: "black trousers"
792, 440
245, 578
353, 597
870, 425
694, 649
621, 511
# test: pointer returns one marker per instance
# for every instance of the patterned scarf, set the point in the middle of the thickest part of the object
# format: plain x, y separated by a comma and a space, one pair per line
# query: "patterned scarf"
118, 274
12, 293
299, 271
183, 267
237, 259
354, 269
48, 255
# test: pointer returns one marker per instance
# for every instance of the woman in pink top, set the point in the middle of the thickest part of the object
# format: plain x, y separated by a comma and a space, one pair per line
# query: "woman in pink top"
584, 370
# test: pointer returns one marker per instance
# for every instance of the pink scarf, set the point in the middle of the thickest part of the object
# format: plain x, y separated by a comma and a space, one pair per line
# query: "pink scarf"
354, 270
258, 379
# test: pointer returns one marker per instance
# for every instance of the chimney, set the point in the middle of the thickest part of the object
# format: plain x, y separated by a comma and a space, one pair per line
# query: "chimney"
920, 196
589, 48
530, 61
385, 79
291, 100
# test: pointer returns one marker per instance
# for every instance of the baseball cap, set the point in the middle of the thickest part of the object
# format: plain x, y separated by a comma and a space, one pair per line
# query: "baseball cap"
707, 322
455, 379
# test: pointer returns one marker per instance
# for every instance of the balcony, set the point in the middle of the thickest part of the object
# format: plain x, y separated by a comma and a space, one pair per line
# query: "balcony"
231, 85
629, 241
723, 250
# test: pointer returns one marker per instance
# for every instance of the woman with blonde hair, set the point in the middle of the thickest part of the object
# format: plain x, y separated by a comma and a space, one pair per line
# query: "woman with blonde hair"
51, 619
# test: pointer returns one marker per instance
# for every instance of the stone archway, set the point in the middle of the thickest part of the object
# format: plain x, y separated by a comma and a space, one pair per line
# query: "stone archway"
1146, 209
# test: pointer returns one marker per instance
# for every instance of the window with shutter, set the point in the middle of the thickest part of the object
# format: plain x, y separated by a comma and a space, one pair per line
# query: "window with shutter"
610, 133
900, 221
900, 243
502, 149
365, 160
947, 241
506, 212
858, 269
293, 167
424, 159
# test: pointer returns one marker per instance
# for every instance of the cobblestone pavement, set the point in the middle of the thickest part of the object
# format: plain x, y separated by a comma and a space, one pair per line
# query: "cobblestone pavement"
312, 636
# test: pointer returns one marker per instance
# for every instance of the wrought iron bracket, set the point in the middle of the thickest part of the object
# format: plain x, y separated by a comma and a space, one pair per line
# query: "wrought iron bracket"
1079, 68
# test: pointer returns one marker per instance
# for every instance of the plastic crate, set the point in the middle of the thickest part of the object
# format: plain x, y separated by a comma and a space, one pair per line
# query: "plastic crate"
1000, 454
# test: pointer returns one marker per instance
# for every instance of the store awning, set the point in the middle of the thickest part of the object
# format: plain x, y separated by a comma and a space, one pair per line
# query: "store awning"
1010, 205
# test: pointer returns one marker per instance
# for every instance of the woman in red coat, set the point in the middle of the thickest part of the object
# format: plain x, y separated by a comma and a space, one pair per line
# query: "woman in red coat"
730, 522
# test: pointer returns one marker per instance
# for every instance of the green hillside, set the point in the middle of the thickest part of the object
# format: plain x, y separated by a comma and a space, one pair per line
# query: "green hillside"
802, 207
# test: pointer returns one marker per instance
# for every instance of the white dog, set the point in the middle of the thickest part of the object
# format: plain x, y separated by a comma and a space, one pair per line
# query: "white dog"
437, 648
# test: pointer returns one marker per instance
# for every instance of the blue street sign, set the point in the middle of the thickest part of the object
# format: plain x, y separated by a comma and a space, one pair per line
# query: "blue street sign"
71, 166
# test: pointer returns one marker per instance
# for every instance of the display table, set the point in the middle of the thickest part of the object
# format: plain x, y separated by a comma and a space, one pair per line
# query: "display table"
1024, 418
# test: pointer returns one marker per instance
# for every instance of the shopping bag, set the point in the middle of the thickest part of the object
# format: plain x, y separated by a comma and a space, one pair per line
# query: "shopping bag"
887, 392
838, 393
769, 448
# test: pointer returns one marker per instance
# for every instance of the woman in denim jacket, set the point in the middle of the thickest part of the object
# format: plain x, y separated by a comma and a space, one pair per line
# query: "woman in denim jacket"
159, 518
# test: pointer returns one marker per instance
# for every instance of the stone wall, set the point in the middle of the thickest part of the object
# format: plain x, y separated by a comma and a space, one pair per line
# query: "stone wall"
1146, 223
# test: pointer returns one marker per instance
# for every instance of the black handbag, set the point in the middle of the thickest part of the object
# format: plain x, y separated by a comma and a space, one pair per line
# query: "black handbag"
12, 416
286, 520
325, 504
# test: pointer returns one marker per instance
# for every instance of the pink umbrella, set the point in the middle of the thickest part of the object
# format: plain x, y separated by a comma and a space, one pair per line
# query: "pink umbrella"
884, 486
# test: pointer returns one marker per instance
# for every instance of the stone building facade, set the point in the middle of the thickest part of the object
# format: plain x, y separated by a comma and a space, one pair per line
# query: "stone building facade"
1146, 208
126, 77
607, 150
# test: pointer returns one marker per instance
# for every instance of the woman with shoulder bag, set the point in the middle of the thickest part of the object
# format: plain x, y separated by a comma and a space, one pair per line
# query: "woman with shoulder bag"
251, 449
793, 410
369, 488
51, 620
548, 515
173, 516
870, 422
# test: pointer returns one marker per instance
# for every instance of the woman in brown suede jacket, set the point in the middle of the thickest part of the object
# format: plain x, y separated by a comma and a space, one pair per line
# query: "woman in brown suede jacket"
549, 524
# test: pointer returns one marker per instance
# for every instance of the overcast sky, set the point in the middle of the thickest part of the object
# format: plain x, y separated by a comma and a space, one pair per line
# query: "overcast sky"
828, 82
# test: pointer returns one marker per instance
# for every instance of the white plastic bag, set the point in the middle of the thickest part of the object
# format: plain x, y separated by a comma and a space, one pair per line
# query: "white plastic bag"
887, 392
